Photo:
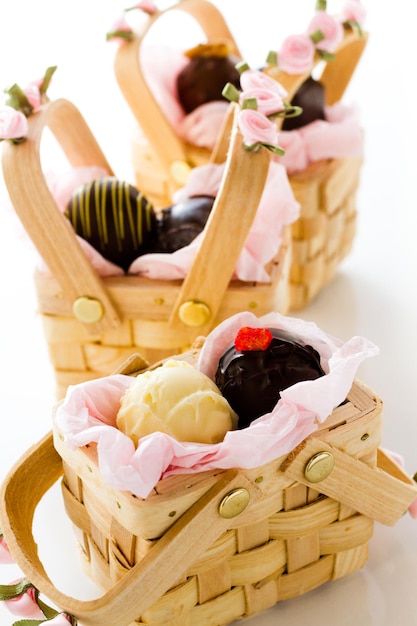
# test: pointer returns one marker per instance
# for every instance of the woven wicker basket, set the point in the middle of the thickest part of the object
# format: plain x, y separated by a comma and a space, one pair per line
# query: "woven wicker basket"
213, 547
326, 190
91, 323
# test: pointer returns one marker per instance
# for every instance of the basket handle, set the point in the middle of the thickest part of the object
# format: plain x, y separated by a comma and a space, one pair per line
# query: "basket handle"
382, 493
47, 227
132, 82
141, 586
226, 230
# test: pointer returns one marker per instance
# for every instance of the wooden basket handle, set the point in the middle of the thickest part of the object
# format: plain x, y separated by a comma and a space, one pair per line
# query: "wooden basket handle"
382, 493
227, 228
132, 82
33, 202
141, 586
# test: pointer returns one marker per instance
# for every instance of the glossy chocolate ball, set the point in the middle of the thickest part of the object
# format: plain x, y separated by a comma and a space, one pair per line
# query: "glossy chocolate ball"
202, 80
115, 218
180, 224
311, 98
251, 380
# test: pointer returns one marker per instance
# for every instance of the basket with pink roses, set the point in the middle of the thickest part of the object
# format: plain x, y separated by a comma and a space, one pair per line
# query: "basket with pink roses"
323, 146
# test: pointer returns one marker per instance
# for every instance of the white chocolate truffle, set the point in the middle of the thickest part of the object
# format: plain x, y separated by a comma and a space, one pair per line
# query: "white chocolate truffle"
176, 399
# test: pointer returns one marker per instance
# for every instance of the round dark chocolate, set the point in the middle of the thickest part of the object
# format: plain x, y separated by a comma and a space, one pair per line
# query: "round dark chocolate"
115, 218
251, 380
203, 79
311, 98
180, 224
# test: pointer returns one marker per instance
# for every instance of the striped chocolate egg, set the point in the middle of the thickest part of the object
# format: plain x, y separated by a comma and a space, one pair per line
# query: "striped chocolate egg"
115, 218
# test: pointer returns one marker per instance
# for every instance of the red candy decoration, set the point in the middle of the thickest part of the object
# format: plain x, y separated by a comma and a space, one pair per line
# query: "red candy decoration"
253, 338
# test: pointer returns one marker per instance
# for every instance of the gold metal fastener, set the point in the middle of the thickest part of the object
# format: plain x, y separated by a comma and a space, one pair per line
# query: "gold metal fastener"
234, 503
194, 313
319, 467
88, 310
180, 171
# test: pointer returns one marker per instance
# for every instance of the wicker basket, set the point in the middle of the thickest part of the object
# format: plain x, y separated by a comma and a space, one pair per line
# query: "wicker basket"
326, 190
213, 547
91, 323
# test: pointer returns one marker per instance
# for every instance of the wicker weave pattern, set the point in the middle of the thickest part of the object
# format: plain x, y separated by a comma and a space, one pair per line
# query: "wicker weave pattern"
294, 540
324, 233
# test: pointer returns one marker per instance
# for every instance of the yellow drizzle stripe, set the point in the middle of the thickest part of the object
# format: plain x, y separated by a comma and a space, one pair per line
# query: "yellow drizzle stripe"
139, 216
120, 204
113, 190
130, 218
96, 189
103, 217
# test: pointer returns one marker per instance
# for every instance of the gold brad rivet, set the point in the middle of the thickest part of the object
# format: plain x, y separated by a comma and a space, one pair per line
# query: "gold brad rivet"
319, 467
234, 503
180, 171
365, 437
88, 310
194, 313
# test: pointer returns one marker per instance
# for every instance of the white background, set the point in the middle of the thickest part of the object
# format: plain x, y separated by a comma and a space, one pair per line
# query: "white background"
374, 293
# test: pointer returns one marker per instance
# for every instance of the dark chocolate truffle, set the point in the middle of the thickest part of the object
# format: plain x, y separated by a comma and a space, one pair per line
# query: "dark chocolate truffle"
115, 218
204, 77
311, 98
182, 222
251, 380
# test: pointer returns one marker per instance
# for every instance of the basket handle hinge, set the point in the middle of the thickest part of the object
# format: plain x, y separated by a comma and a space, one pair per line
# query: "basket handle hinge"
382, 492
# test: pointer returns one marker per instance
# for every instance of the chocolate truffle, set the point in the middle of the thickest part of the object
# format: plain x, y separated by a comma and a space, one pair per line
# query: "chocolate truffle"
204, 77
182, 222
251, 379
311, 98
115, 218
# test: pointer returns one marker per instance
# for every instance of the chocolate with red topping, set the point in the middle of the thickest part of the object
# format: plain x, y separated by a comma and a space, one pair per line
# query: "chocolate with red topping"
251, 379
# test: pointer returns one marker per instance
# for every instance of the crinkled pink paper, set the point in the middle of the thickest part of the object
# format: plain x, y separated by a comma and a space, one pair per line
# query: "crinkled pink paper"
277, 208
88, 413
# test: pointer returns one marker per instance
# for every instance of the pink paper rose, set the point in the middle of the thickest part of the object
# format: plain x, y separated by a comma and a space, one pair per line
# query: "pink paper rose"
331, 28
296, 55
353, 11
13, 124
268, 101
25, 605
255, 79
33, 94
120, 30
256, 128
